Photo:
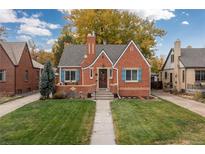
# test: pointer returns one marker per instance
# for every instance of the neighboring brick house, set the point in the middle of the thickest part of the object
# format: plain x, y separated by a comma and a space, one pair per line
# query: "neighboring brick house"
18, 72
121, 69
184, 69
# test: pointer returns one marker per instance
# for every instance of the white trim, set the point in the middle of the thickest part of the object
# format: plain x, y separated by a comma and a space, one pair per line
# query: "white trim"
97, 59
138, 51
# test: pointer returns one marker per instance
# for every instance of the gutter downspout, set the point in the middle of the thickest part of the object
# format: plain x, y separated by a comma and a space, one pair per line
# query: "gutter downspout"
117, 83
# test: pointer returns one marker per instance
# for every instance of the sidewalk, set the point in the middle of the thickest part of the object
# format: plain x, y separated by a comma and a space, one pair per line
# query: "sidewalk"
103, 131
191, 105
15, 104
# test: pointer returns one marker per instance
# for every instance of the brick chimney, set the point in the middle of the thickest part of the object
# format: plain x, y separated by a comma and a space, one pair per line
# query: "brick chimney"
177, 74
91, 49
91, 44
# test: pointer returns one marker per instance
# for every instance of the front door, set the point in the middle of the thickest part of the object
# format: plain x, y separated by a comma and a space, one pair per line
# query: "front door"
102, 78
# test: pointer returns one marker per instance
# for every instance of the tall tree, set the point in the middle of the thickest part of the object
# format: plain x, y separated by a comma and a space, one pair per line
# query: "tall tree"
47, 82
157, 63
110, 26
2, 32
66, 38
115, 27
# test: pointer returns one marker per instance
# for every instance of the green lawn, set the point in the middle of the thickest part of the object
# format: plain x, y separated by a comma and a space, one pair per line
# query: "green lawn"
49, 122
156, 122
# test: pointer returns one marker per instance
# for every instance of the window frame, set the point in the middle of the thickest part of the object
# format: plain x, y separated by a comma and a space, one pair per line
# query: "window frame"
2, 71
26, 75
165, 75
91, 73
200, 75
131, 69
110, 73
172, 58
183, 76
70, 70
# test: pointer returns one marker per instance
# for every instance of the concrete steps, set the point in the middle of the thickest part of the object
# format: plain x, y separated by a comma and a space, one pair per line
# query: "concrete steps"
103, 95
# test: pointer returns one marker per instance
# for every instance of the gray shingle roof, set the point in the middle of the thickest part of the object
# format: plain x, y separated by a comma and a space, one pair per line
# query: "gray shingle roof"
14, 50
74, 54
37, 64
193, 57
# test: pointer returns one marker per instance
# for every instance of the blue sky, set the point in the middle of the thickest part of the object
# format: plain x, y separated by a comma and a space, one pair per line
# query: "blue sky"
44, 26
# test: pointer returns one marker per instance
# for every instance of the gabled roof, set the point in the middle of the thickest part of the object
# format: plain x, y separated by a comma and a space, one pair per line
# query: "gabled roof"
74, 54
193, 57
14, 50
190, 57
37, 64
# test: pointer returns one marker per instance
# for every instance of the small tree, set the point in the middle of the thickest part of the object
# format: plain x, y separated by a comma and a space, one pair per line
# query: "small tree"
47, 83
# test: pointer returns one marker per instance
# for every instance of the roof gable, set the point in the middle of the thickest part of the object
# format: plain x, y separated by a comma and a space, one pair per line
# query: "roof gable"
14, 50
132, 42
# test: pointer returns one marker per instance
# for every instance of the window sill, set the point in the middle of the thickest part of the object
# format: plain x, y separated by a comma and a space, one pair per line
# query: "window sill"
127, 81
73, 81
2, 81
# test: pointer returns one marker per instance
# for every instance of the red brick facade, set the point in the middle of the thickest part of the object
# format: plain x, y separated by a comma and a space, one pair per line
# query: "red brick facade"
130, 58
15, 74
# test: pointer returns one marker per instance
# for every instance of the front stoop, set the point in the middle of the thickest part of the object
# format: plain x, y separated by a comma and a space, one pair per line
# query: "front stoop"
102, 95
103, 130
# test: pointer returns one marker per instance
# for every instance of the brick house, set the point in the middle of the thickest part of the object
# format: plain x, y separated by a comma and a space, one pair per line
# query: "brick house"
18, 72
120, 69
184, 69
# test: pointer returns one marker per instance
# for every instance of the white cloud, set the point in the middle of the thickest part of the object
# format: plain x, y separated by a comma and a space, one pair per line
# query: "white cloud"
8, 16
23, 38
37, 15
185, 23
156, 14
64, 11
184, 13
51, 41
33, 30
28, 25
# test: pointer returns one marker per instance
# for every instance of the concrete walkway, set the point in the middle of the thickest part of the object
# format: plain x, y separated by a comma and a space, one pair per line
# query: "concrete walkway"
103, 131
191, 105
15, 104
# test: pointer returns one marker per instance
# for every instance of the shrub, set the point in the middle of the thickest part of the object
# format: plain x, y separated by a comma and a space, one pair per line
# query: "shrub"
199, 95
59, 95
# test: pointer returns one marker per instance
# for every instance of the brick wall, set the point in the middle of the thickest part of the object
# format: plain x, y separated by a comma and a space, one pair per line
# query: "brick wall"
25, 63
6, 87
132, 58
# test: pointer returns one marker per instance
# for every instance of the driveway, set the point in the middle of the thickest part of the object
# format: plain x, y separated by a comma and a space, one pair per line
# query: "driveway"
15, 104
191, 105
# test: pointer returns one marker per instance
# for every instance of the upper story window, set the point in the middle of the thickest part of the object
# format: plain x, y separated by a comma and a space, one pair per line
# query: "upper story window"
26, 75
172, 58
165, 75
183, 75
200, 75
71, 75
91, 73
2, 75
